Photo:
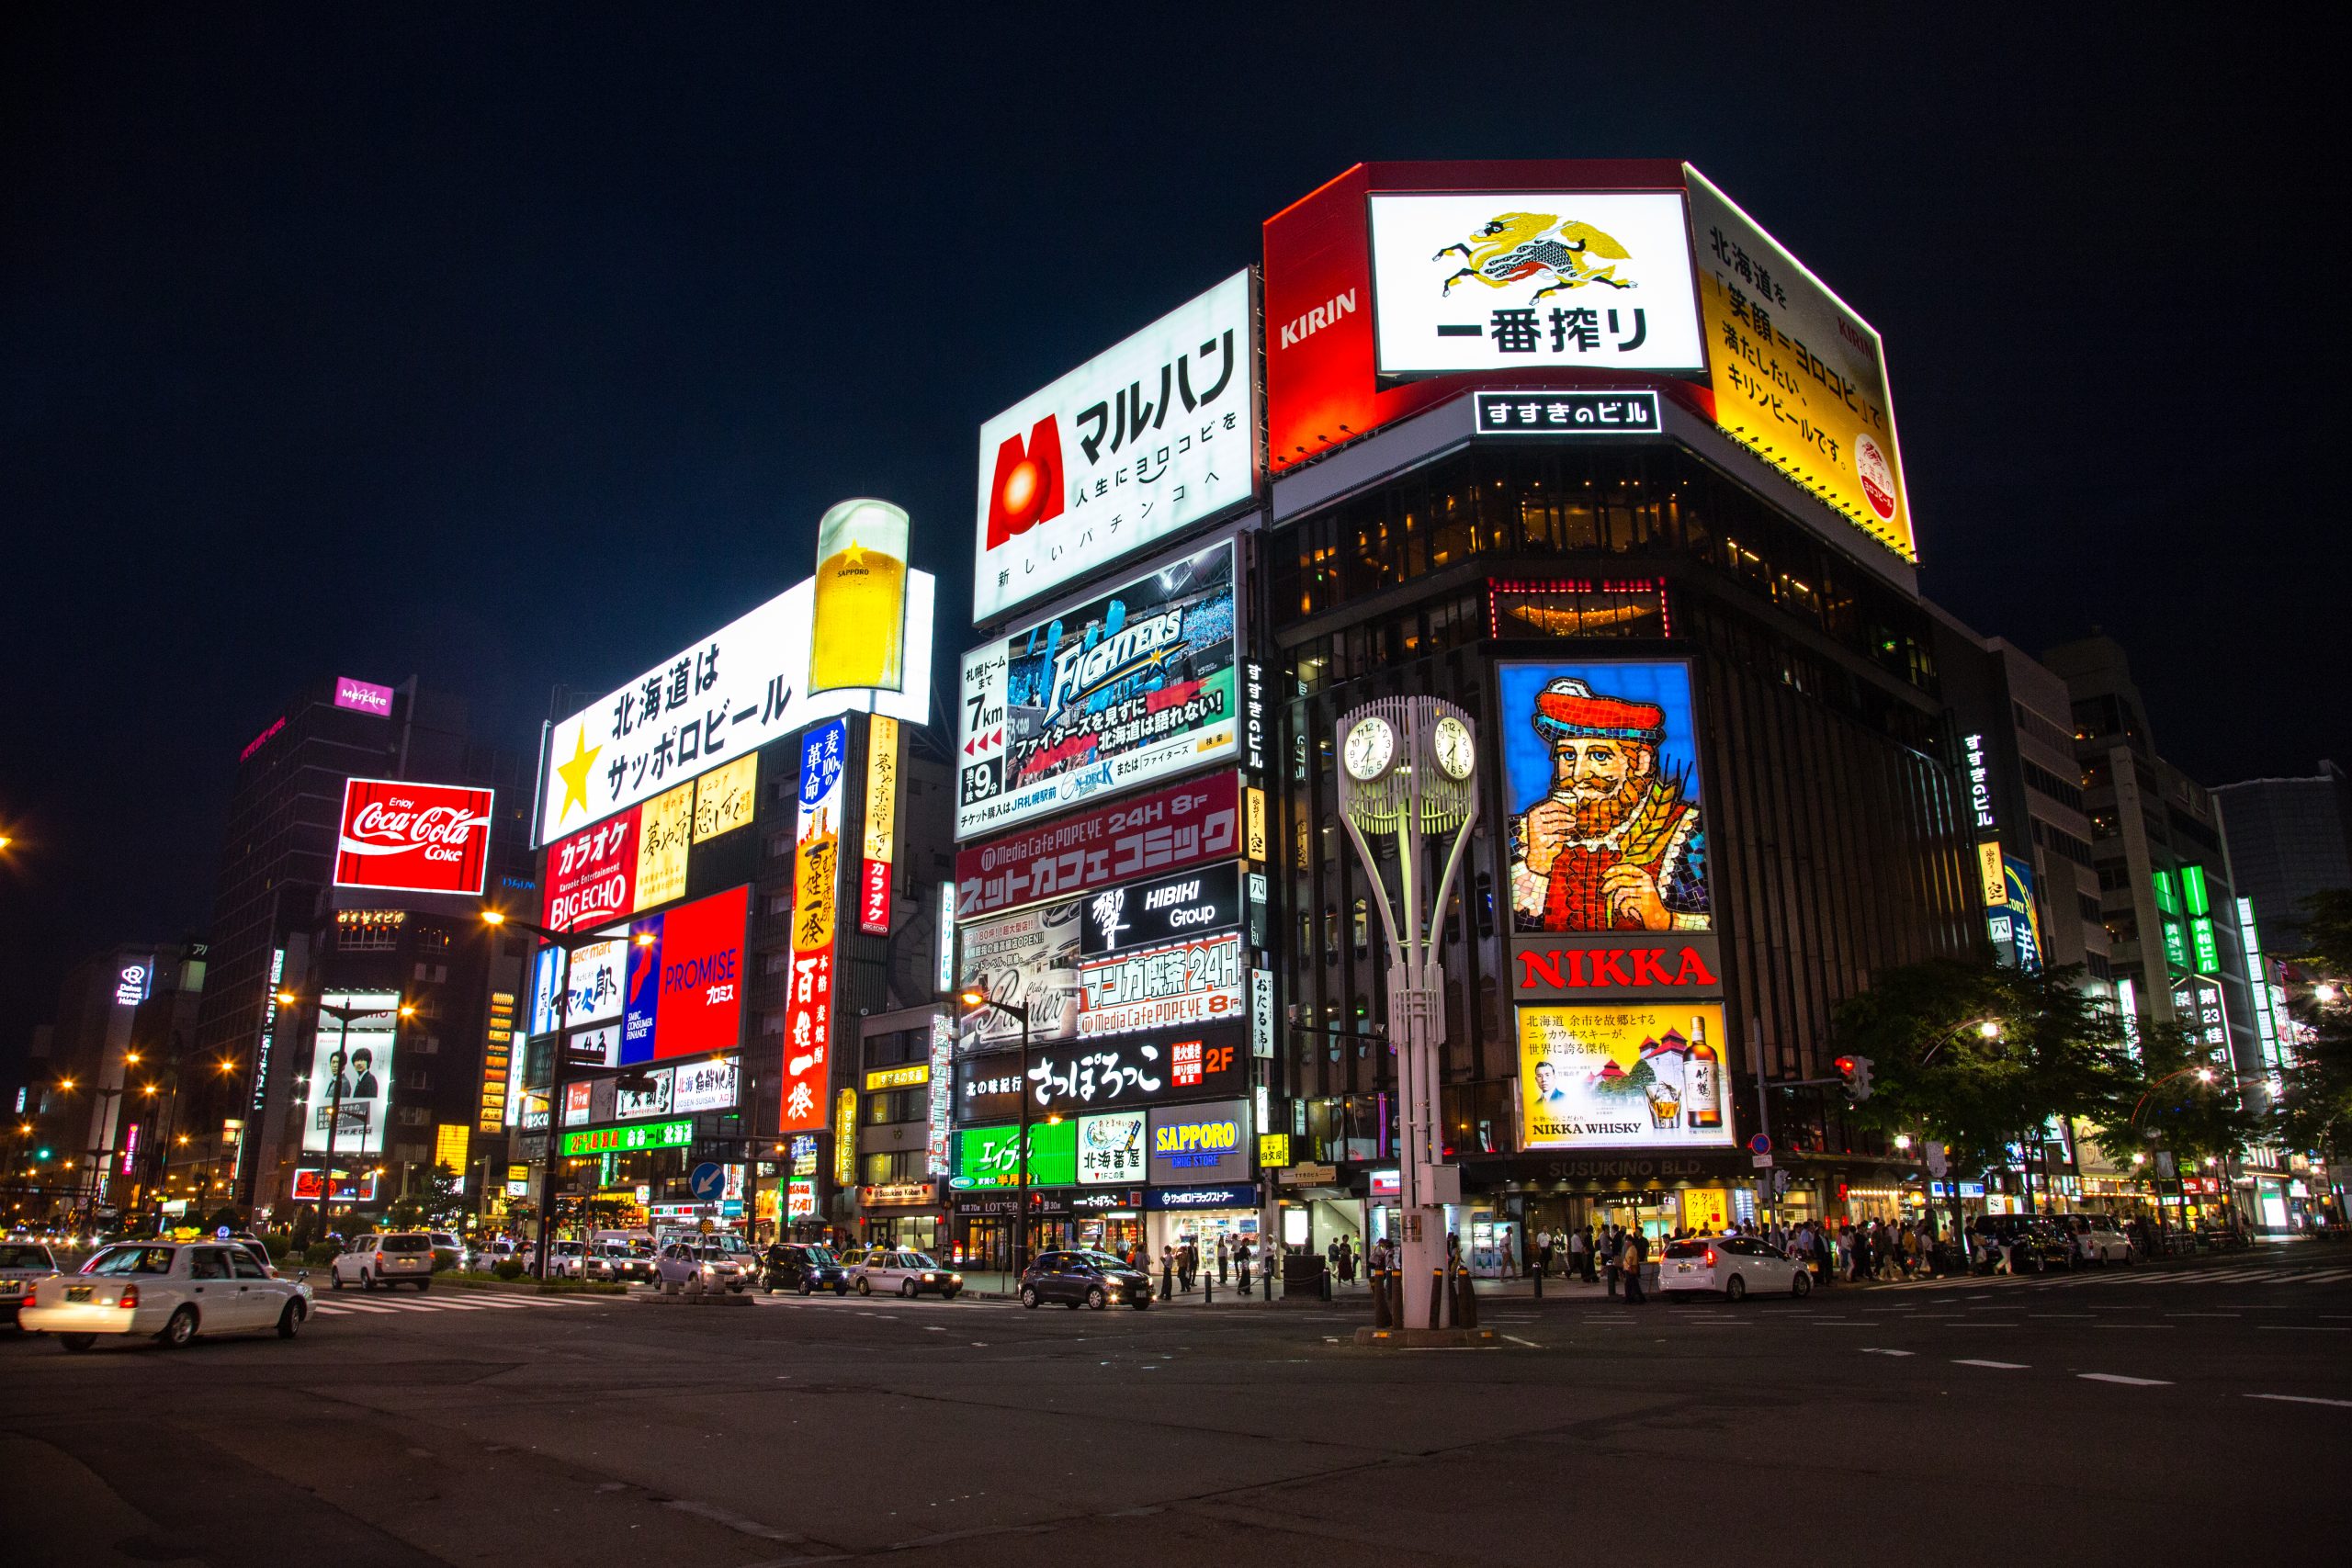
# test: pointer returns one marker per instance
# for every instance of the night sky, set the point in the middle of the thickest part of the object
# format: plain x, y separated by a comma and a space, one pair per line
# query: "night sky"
504, 346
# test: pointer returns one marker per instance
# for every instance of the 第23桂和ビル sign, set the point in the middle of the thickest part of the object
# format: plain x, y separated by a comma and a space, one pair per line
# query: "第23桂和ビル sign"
1134, 686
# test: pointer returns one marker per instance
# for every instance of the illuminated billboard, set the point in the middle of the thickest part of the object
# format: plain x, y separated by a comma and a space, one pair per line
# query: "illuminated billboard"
881, 825
1636, 1075
1600, 778
1186, 824
1129, 688
1532, 280
809, 988
1144, 439
413, 838
1799, 377
349, 1090
709, 705
685, 985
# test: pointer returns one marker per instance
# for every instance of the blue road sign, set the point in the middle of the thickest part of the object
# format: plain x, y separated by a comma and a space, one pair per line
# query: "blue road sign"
707, 1182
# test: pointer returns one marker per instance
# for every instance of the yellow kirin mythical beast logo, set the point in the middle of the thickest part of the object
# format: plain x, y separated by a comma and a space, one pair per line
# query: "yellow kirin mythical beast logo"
1520, 245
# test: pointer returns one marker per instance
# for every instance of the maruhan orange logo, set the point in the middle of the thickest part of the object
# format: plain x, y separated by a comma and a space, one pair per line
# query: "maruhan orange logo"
1516, 246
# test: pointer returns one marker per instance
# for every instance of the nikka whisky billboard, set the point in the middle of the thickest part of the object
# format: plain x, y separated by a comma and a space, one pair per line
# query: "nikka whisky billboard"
1640, 1076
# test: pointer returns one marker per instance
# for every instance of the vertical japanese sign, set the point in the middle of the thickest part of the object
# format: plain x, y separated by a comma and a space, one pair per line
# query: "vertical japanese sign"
497, 1063
808, 1012
662, 826
724, 797
845, 1139
881, 825
942, 1094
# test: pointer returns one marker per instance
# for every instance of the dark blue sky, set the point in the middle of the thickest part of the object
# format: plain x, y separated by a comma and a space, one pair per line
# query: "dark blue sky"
506, 347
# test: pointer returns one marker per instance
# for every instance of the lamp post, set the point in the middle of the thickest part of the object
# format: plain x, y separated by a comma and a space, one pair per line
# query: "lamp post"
343, 1015
1408, 767
571, 943
975, 999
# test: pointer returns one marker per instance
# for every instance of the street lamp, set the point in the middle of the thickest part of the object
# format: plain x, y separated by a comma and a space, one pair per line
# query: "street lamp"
343, 1015
1409, 774
976, 998
571, 943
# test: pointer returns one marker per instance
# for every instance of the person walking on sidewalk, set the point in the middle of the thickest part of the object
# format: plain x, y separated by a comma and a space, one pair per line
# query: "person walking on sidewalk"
1167, 1272
1224, 1257
1241, 1263
1633, 1254
1577, 1254
1609, 1245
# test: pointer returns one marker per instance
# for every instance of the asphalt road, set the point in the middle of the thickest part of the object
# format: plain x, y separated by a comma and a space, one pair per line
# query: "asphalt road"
2190, 1413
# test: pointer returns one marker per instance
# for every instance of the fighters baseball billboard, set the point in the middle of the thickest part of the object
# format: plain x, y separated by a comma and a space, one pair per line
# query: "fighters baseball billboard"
1124, 690
415, 838
1144, 439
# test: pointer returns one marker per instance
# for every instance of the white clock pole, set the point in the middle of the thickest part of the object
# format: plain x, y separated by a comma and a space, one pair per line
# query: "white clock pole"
1406, 775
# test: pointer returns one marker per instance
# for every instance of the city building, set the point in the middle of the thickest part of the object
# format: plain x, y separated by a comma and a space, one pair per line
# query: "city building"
2182, 950
1654, 542
2289, 839
115, 1083
277, 900
740, 856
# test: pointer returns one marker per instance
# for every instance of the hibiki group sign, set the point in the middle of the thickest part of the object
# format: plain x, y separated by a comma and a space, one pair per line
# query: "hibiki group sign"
415, 838
1144, 439
1128, 688
808, 1010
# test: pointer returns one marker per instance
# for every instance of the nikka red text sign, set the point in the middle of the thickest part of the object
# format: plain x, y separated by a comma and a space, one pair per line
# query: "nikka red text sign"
415, 838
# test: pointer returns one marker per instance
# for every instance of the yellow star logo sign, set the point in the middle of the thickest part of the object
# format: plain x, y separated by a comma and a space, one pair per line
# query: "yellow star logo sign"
574, 774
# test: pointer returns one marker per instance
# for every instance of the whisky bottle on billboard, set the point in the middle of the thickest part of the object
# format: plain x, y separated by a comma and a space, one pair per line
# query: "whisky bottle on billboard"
857, 631
1702, 1088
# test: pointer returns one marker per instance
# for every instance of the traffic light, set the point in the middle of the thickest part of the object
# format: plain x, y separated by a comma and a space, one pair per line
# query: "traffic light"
1856, 1071
42, 1153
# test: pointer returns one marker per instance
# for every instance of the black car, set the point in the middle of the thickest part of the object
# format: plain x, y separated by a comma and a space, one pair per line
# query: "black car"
1092, 1279
2035, 1245
804, 1267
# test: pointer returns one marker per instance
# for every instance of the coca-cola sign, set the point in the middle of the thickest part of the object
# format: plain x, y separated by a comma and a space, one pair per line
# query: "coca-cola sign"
416, 838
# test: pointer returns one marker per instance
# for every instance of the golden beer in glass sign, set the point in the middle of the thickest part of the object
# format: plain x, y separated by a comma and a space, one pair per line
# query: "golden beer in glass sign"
858, 635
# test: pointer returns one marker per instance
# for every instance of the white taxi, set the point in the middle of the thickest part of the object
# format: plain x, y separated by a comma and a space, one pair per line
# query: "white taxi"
173, 1291
1736, 1266
23, 1265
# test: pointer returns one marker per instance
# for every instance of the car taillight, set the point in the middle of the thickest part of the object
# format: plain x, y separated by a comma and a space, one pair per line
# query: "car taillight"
130, 1297
1711, 1257
379, 1260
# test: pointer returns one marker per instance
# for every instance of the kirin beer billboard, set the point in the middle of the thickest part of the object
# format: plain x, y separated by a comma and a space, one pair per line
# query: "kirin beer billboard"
416, 838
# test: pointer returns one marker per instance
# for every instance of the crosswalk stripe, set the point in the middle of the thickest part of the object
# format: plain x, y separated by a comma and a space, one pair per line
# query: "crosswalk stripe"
2324, 1277
353, 1307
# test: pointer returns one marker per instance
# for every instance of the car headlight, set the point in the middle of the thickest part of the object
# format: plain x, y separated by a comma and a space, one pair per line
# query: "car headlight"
930, 1278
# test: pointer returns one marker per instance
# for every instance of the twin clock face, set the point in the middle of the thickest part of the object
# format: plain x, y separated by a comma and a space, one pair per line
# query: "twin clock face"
1370, 748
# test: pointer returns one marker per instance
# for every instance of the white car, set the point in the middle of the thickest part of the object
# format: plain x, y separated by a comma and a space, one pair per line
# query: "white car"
685, 1267
386, 1258
23, 1265
900, 1271
2100, 1240
1736, 1266
173, 1291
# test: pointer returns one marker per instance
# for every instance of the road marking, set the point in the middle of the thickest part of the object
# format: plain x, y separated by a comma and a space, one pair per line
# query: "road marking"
2204, 1314
355, 1306
932, 1328
2132, 1383
1517, 1340
1997, 1366
2134, 1325
2325, 1276
1874, 1350
2303, 1399
2299, 1328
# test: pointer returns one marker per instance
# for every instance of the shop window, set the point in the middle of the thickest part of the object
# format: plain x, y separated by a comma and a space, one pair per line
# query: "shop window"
1362, 927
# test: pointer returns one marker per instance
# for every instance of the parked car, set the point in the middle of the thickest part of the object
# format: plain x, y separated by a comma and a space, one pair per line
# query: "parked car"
23, 1265
902, 1271
1097, 1280
2031, 1243
173, 1291
802, 1266
569, 1260
386, 1258
487, 1253
1733, 1266
687, 1265
447, 1248
2100, 1238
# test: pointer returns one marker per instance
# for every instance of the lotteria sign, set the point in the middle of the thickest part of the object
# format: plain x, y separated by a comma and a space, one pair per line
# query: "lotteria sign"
630, 1140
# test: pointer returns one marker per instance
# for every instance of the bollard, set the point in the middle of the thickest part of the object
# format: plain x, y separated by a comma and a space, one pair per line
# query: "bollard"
1209, 1287
1538, 1277
1465, 1300
1380, 1315
1437, 1298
